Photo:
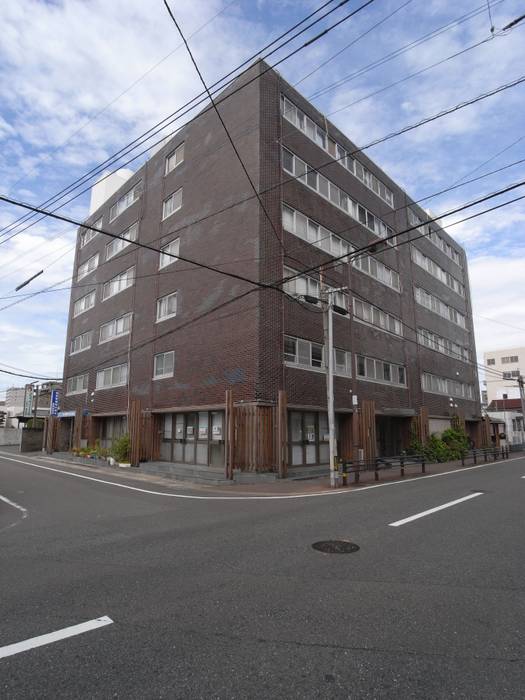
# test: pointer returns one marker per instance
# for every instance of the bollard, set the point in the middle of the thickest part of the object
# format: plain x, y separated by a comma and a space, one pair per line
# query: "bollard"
423, 467
485, 455
402, 461
475, 456
462, 459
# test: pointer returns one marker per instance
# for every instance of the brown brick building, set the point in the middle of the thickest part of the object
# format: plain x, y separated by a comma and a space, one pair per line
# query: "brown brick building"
147, 351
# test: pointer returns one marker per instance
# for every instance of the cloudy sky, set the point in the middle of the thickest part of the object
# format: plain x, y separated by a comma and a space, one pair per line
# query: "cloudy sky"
82, 78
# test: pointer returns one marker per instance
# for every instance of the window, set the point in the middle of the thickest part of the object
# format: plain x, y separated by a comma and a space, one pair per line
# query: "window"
511, 375
175, 158
508, 360
125, 201
87, 234
432, 303
303, 285
376, 269
118, 244
112, 376
172, 204
308, 355
310, 231
433, 236
77, 385
84, 303
491, 361
319, 136
320, 184
164, 364
118, 283
168, 251
436, 271
167, 306
444, 345
115, 328
86, 268
433, 384
80, 342
377, 317
375, 370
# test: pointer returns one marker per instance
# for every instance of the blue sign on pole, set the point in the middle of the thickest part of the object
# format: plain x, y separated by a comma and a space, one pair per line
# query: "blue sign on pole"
53, 409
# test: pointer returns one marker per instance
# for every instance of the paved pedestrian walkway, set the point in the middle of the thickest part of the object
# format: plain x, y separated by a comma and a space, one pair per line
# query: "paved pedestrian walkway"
278, 487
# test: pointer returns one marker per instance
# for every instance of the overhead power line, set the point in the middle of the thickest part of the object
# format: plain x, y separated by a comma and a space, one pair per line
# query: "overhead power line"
190, 105
237, 297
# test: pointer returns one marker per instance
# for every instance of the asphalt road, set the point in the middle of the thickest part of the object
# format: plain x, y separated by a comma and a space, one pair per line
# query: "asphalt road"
228, 599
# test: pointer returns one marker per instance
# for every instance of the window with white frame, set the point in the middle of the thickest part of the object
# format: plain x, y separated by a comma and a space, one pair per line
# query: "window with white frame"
172, 203
84, 303
175, 158
310, 231
112, 376
305, 354
509, 359
167, 253
118, 244
335, 195
514, 374
86, 268
319, 136
87, 234
374, 370
118, 283
491, 361
115, 328
167, 306
77, 384
433, 236
303, 285
433, 384
433, 303
80, 342
125, 201
437, 271
376, 269
164, 365
377, 317
443, 345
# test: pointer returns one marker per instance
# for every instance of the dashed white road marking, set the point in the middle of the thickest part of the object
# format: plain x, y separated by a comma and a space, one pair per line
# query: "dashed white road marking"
15, 505
337, 492
435, 510
43, 639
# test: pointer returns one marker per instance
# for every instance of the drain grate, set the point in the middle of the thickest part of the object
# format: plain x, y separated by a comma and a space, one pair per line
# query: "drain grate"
335, 547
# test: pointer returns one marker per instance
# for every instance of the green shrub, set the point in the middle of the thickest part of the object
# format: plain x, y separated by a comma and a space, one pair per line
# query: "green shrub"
121, 449
456, 441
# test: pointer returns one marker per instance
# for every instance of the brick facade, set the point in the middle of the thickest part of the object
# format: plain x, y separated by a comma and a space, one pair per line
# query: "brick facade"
239, 347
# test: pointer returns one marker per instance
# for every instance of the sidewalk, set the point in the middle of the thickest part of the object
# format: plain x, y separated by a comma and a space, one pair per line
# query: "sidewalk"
280, 487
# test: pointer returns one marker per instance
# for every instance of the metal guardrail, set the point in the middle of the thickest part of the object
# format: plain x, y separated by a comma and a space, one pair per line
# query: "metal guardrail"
401, 462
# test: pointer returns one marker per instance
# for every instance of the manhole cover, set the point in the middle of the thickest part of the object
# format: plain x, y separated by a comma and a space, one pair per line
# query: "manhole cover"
335, 547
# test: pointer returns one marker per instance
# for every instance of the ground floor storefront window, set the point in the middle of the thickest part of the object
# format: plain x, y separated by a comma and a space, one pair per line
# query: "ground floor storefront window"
111, 429
193, 438
308, 437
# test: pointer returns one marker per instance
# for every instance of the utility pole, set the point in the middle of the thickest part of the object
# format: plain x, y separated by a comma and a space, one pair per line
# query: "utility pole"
35, 406
327, 304
522, 396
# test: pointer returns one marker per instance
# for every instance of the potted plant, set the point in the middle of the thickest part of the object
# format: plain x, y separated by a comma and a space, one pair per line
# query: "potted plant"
121, 451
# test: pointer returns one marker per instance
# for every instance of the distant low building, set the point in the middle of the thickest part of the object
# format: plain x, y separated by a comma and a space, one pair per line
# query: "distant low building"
508, 364
509, 413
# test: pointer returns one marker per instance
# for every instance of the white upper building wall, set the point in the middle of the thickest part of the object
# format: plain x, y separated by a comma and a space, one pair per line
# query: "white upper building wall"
104, 188
510, 360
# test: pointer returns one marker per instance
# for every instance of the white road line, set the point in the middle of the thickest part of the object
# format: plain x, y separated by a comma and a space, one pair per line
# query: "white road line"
15, 505
12, 649
338, 492
435, 510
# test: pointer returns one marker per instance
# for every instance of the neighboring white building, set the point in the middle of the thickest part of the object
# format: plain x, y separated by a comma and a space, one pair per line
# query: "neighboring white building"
508, 411
14, 405
510, 362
